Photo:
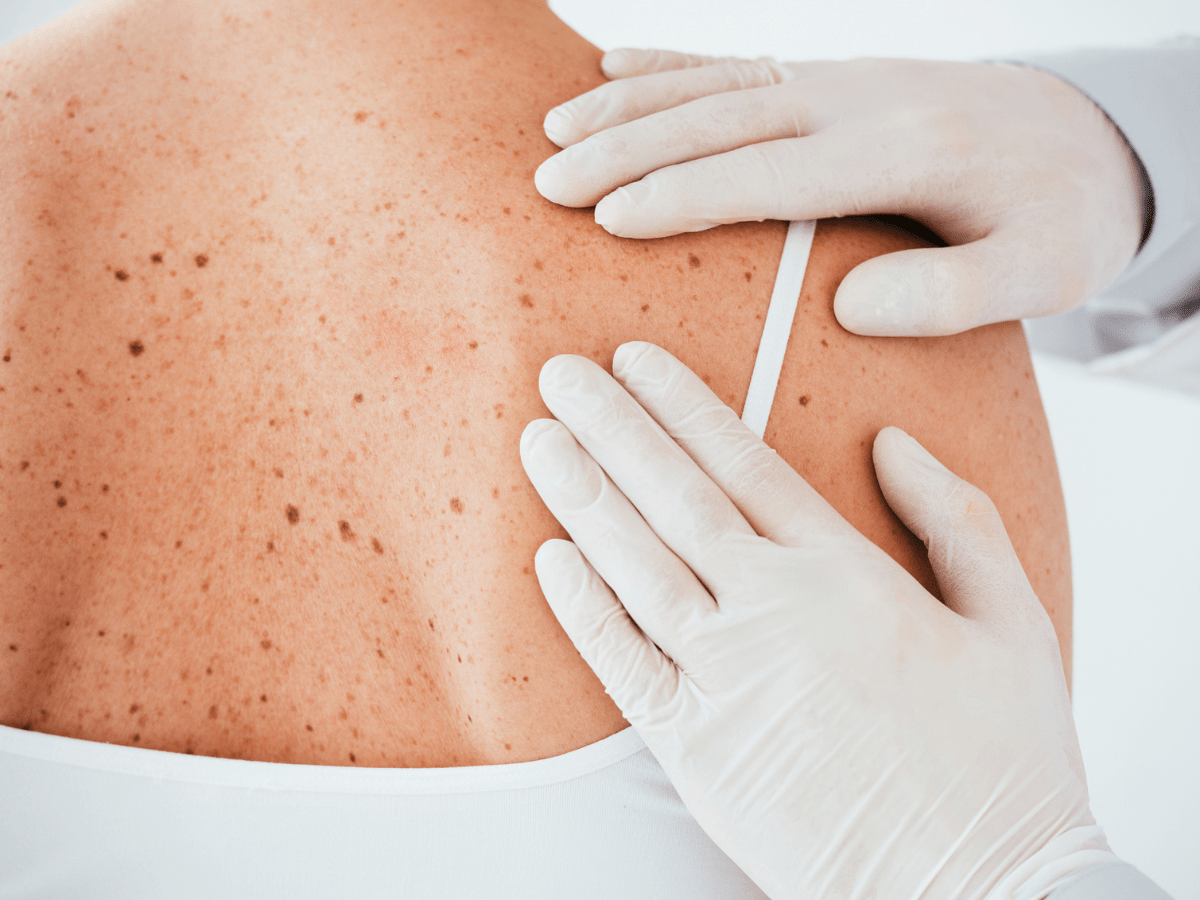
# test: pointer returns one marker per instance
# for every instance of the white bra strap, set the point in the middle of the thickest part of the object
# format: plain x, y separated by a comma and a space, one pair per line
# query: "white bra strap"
778, 327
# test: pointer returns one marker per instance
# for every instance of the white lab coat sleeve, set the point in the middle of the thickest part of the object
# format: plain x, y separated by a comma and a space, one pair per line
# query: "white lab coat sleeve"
1110, 881
1153, 95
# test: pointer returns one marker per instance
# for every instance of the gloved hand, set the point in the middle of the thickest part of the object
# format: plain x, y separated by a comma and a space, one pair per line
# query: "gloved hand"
1036, 190
833, 727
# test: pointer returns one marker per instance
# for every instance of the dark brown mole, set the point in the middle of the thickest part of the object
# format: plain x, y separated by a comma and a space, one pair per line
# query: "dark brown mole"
178, 544
747, 275
352, 758
377, 547
8, 355
293, 514
266, 644
12, 647
133, 708
472, 345
136, 348
526, 300
308, 728
358, 398
155, 257
263, 698
104, 488
201, 260
824, 343
693, 260
62, 501
431, 628
208, 671
121, 275
456, 505
346, 531
645, 307
804, 399
270, 546
104, 535
100, 633
24, 464
58, 484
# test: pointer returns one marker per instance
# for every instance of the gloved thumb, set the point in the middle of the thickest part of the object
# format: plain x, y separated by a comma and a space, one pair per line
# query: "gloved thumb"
976, 567
947, 290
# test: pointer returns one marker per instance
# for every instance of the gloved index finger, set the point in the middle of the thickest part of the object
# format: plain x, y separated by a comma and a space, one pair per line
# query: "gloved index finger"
773, 497
689, 513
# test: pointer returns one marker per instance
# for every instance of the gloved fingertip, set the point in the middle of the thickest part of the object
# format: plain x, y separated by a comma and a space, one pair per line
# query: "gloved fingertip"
893, 445
557, 566
560, 126
639, 365
562, 375
549, 181
533, 433
881, 301
626, 357
617, 213
610, 212
624, 62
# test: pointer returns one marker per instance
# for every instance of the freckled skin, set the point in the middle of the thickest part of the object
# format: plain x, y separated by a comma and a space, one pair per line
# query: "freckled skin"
306, 218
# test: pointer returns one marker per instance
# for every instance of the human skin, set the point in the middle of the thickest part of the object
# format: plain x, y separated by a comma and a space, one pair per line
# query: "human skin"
275, 288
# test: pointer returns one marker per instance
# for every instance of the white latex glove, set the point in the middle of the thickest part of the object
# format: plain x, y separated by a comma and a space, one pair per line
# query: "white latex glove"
1036, 190
833, 727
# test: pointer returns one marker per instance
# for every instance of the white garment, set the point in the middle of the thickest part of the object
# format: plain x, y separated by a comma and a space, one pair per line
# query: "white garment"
85, 820
80, 819
1144, 325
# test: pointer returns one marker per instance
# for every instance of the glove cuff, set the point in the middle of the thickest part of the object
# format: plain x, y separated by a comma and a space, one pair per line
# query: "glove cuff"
1056, 864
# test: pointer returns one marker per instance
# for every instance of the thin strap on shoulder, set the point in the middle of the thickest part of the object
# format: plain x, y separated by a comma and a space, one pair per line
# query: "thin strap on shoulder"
778, 327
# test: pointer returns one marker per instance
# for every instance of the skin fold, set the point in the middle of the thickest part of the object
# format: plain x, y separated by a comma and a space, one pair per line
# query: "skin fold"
275, 287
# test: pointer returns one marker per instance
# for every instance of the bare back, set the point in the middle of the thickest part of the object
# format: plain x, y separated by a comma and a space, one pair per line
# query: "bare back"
275, 286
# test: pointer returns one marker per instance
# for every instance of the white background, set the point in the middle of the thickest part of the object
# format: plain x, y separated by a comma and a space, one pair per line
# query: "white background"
1129, 454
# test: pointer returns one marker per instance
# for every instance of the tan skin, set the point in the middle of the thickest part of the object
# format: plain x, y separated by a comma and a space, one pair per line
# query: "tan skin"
275, 286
